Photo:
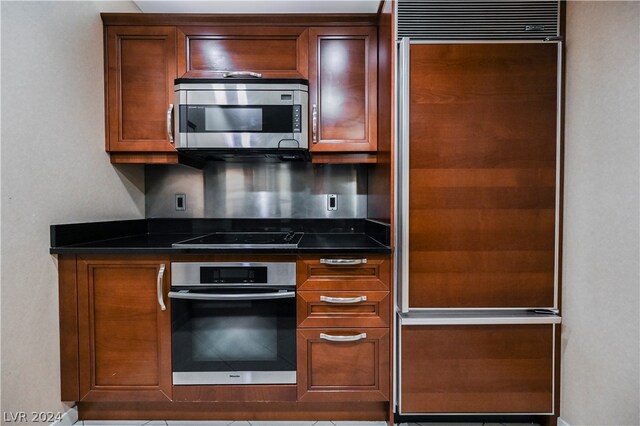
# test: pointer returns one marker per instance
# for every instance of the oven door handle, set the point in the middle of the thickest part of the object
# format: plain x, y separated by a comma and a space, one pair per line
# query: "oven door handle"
245, 296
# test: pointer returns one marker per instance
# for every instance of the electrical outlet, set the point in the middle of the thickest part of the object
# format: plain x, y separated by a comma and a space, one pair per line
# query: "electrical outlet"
332, 202
181, 202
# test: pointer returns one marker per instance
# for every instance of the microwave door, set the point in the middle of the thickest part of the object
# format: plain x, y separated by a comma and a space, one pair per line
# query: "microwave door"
222, 119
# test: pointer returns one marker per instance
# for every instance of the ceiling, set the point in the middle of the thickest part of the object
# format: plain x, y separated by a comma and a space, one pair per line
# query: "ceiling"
258, 6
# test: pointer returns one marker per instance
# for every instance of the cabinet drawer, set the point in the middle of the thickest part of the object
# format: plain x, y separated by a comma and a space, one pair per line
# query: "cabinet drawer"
343, 309
343, 364
344, 273
477, 369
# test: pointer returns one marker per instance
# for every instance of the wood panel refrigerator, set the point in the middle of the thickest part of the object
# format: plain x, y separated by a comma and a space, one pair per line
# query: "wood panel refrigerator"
478, 222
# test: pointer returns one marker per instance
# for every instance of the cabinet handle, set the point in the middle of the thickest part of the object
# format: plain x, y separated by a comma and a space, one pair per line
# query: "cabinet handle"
160, 279
348, 338
242, 74
343, 261
343, 299
314, 121
169, 129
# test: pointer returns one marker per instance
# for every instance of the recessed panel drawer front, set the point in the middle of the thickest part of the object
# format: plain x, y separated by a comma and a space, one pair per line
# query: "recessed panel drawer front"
505, 368
343, 273
343, 309
343, 364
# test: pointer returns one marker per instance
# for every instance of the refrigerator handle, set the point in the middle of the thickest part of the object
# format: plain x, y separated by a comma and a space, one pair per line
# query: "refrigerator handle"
402, 266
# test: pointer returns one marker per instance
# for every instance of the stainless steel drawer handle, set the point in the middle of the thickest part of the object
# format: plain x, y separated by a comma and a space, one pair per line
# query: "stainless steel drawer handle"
343, 299
160, 279
242, 74
343, 261
169, 129
353, 338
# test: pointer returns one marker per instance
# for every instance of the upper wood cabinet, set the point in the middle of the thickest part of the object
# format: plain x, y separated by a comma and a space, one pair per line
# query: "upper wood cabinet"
124, 336
275, 52
343, 89
141, 67
143, 60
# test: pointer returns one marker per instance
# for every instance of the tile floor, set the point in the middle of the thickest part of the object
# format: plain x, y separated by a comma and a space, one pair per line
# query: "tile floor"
271, 423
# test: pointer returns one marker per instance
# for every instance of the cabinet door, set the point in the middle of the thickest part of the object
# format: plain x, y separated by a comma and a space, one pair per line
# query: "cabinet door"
483, 175
275, 52
141, 68
343, 83
124, 335
343, 364
477, 369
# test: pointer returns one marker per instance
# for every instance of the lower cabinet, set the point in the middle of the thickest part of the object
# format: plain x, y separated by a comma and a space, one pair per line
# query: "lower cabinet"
343, 364
124, 350
469, 369
343, 311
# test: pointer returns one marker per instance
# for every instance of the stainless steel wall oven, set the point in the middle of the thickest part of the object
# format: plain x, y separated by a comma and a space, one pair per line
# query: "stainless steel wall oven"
233, 323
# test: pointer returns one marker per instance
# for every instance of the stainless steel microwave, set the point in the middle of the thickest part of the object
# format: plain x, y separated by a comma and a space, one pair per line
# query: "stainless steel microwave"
242, 115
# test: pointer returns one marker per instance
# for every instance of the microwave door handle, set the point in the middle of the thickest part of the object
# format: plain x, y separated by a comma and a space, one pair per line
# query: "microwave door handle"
245, 296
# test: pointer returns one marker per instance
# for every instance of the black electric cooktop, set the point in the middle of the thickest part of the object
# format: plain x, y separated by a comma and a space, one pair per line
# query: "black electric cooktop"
243, 240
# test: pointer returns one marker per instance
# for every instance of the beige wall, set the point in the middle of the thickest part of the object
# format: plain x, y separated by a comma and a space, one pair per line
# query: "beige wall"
54, 170
600, 364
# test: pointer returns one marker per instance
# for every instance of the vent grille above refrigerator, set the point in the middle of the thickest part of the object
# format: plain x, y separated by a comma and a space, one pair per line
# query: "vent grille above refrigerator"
478, 20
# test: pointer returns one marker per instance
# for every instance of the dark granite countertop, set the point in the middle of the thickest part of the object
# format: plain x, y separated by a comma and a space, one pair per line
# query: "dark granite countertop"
154, 236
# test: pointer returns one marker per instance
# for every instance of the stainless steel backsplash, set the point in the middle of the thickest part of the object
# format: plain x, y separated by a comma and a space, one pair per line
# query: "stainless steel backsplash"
257, 190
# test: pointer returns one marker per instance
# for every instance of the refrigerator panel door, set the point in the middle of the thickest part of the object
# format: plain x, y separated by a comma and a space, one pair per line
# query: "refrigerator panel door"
479, 175
477, 369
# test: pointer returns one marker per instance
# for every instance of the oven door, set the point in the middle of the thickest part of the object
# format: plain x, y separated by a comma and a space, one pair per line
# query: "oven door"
233, 336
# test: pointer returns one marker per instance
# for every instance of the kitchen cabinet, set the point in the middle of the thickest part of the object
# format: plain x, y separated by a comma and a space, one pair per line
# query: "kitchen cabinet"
274, 52
124, 329
144, 55
343, 86
140, 70
343, 311
476, 369
343, 365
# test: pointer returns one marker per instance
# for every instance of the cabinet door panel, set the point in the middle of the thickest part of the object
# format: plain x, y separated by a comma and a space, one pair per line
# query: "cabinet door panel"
141, 67
374, 273
313, 311
343, 89
477, 369
124, 335
342, 370
482, 170
280, 52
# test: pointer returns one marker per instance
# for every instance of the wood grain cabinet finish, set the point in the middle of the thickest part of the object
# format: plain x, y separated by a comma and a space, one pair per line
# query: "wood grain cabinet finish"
343, 313
140, 71
343, 89
477, 369
483, 177
373, 273
124, 335
343, 370
343, 308
275, 52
